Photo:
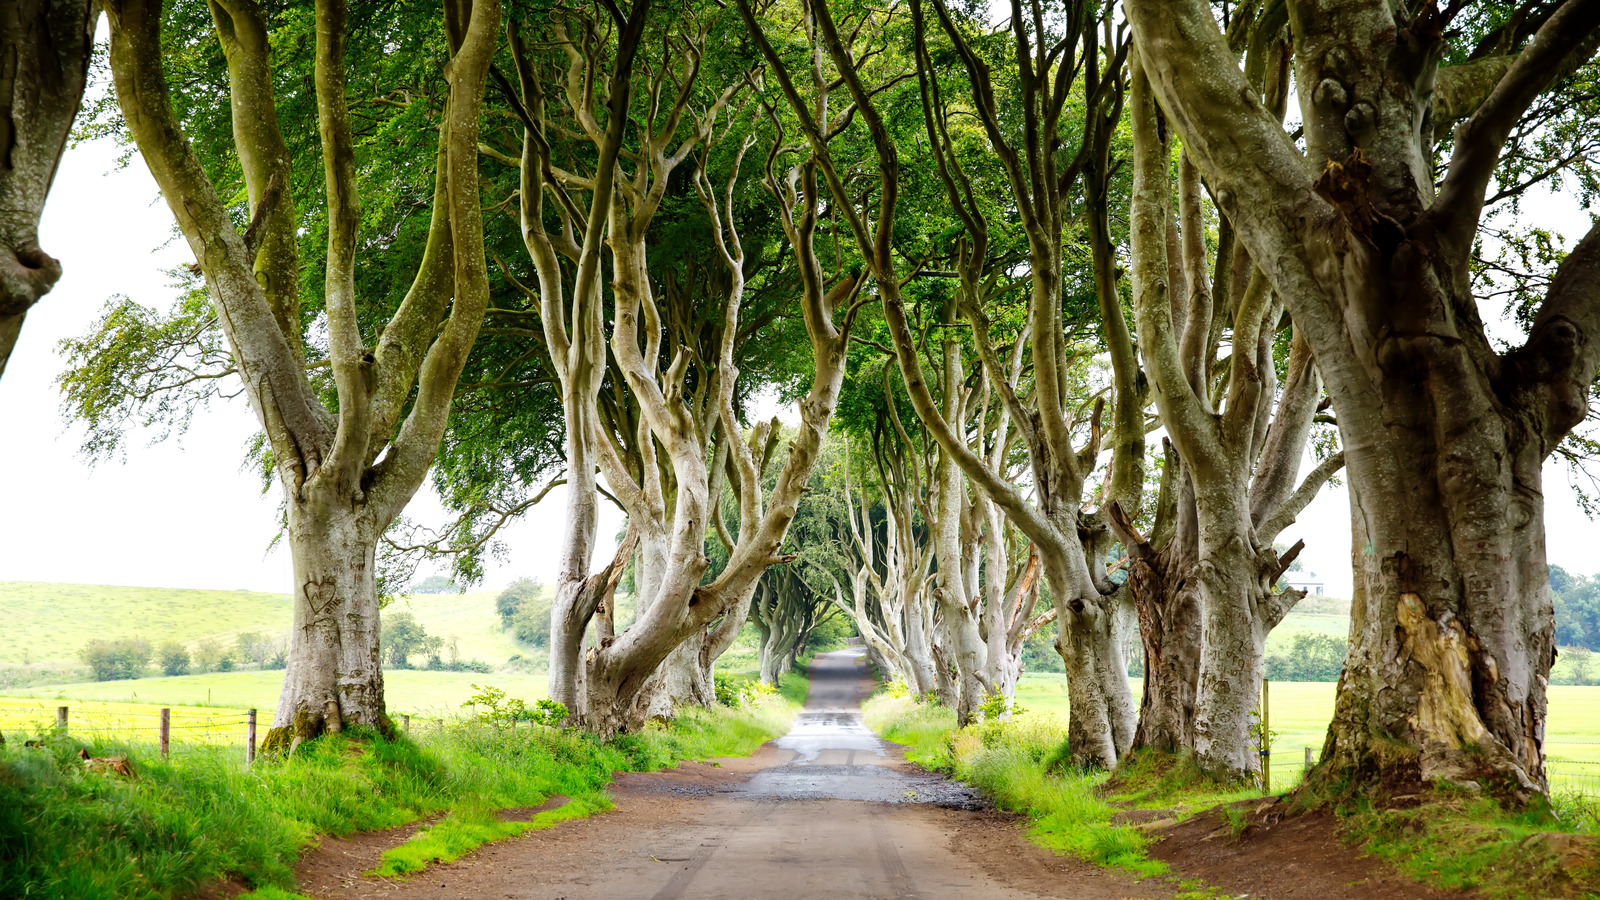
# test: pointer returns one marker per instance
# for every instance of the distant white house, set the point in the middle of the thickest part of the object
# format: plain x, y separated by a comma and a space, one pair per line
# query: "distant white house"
1305, 580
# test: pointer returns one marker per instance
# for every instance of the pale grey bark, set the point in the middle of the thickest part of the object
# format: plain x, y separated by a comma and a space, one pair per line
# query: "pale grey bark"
44, 65
1444, 437
345, 476
621, 680
1070, 541
1238, 464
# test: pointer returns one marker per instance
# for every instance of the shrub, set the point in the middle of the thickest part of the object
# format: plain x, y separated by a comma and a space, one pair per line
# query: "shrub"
531, 623
727, 689
110, 660
401, 636
174, 658
547, 712
514, 596
435, 664
755, 694
260, 649
210, 656
494, 707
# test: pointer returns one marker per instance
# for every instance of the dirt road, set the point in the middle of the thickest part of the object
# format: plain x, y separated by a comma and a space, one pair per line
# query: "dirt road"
828, 811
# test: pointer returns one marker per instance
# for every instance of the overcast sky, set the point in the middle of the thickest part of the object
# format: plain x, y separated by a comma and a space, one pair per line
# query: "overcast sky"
182, 513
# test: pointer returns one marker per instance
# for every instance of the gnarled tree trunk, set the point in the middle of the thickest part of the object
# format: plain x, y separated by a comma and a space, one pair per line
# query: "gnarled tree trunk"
394, 398
1451, 632
44, 65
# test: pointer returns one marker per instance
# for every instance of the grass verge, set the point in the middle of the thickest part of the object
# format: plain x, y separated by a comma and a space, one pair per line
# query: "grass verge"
1461, 840
1011, 764
68, 831
1447, 838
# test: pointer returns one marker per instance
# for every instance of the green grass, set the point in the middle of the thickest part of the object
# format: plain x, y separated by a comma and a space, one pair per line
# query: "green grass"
1453, 839
466, 830
69, 833
1011, 763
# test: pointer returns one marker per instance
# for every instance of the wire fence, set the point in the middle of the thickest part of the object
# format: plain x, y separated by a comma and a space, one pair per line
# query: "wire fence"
167, 729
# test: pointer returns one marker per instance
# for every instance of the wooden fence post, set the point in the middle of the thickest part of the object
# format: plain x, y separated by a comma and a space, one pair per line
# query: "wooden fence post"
250, 740
166, 731
61, 719
405, 722
1311, 760
1266, 740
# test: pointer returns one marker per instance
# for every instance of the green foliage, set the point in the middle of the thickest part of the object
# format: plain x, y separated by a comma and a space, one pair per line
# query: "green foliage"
1309, 657
727, 689
1577, 602
494, 707
547, 712
531, 623
173, 658
1579, 669
747, 692
111, 660
508, 601
1039, 652
830, 633
996, 705
210, 656
402, 635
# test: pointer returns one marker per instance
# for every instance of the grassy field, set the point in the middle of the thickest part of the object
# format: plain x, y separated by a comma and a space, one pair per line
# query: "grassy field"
1300, 712
49, 622
105, 709
101, 703
52, 622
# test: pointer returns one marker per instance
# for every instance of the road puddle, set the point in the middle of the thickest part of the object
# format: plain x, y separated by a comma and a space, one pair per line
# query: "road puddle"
836, 757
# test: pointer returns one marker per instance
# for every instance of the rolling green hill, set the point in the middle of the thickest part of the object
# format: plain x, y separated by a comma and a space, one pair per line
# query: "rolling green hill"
50, 623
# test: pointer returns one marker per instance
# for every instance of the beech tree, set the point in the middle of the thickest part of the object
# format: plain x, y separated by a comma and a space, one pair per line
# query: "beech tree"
889, 568
689, 435
1208, 596
45, 45
1063, 448
1370, 245
347, 465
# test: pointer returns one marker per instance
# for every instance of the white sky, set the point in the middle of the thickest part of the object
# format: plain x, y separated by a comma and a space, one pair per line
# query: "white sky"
182, 513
